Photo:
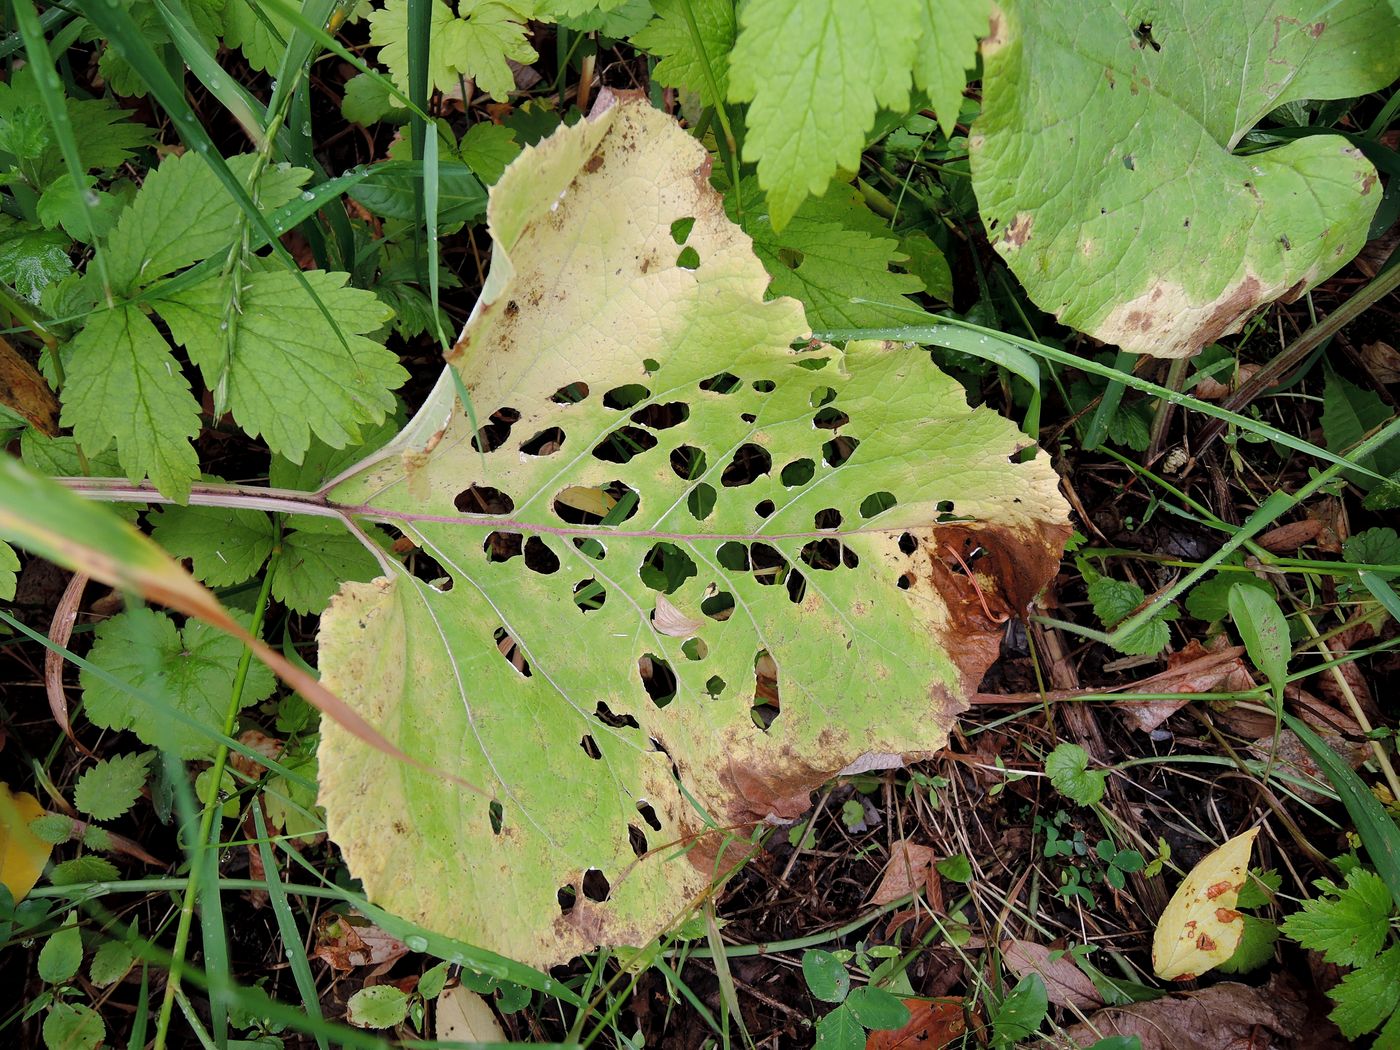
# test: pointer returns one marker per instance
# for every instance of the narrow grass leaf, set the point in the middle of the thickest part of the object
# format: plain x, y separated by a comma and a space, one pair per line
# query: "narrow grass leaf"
228, 92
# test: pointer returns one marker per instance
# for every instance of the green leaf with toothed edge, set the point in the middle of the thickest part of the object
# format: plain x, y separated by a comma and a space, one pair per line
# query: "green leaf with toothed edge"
770, 600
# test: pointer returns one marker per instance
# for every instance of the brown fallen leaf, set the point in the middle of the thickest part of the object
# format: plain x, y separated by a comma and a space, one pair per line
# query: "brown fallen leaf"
932, 1025
1065, 983
1382, 360
1290, 537
909, 870
25, 393
464, 1017
344, 944
1194, 669
1222, 1017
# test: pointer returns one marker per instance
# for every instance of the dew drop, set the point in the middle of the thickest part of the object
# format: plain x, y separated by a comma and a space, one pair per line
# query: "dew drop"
307, 195
416, 943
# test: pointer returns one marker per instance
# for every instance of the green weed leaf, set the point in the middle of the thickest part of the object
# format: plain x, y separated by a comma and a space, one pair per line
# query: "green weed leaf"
1256, 947
876, 1008
839, 1030
315, 560
1348, 414
1378, 546
1020, 1013
1115, 600
381, 1006
61, 954
1068, 769
110, 963
826, 975
1264, 629
1349, 923
225, 545
683, 57
1209, 600
9, 572
72, 1026
1368, 995
111, 787
473, 44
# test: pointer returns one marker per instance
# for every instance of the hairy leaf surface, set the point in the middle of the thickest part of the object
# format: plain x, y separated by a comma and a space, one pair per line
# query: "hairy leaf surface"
685, 573
1105, 169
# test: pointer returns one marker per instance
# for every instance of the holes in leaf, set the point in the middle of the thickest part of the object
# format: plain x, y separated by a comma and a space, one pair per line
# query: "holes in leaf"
748, 417
827, 518
545, 443
623, 721
701, 501
798, 472
571, 394
503, 546
666, 568
765, 508
733, 556
510, 650
688, 462
648, 814
493, 435
791, 257
822, 555
650, 365
497, 815
769, 567
750, 462
589, 595
680, 229
627, 396
424, 566
877, 503
945, 510
483, 499
830, 419
688, 259
905, 582
764, 386
765, 708
822, 395
595, 885
624, 443
662, 417
590, 747
814, 363
724, 383
636, 838
718, 606
695, 649
907, 543
567, 897
714, 685
539, 557
609, 504
796, 587
839, 449
849, 558
657, 679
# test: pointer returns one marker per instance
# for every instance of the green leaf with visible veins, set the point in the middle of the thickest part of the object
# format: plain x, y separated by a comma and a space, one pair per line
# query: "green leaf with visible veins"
1368, 995
1349, 925
487, 149
1349, 414
123, 385
258, 30
855, 57
189, 670
111, 787
226, 545
289, 376
1068, 769
1115, 600
183, 214
769, 529
315, 559
1105, 162
474, 43
947, 50
682, 65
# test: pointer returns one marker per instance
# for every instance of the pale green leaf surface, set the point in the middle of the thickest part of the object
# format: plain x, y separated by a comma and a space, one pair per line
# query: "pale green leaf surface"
261, 34
112, 786
9, 569
73, 1026
855, 58
183, 214
1349, 926
225, 545
1368, 995
487, 149
190, 670
367, 100
948, 39
1264, 629
87, 868
123, 385
314, 562
682, 64
584, 288
380, 1006
61, 954
1104, 169
474, 43
290, 376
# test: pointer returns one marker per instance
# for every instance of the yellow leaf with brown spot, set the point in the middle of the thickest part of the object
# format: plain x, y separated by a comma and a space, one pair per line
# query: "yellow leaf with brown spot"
1200, 927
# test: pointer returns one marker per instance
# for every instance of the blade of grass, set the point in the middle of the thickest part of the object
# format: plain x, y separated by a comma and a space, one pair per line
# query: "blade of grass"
1108, 403
1382, 591
233, 96
211, 928
142, 1016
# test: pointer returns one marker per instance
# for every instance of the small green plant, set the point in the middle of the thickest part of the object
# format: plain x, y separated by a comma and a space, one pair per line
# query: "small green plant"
858, 1010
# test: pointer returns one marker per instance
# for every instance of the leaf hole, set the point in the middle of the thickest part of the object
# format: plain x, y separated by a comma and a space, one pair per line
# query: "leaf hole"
637, 839
589, 595
827, 518
688, 462
764, 386
907, 543
945, 510
539, 557
849, 558
590, 747
695, 649
701, 501
604, 714
629, 395
545, 443
567, 897
657, 679
791, 257
590, 548
798, 472
497, 815
877, 503
748, 417
714, 685
723, 383
822, 395
579, 505
718, 606
905, 582
503, 546
662, 417
769, 567
595, 886
765, 709
623, 444
570, 394
812, 364
511, 652
830, 419
688, 259
796, 587
733, 555
822, 555
483, 499
648, 814
650, 365
838, 450
493, 435
765, 508
750, 463
680, 229
666, 568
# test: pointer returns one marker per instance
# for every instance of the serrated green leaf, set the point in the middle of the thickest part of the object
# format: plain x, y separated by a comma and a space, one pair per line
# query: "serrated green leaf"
123, 385
1115, 600
1368, 995
381, 1006
947, 50
1142, 226
825, 975
31, 259
669, 38
111, 787
9, 572
474, 43
87, 868
72, 1026
679, 363
1259, 888
106, 137
1348, 413
259, 31
927, 262
190, 669
61, 954
226, 545
1377, 546
313, 564
1209, 600
839, 1030
1068, 769
61, 205
110, 963
487, 149
289, 376
183, 214
367, 100
1264, 630
1349, 925
52, 828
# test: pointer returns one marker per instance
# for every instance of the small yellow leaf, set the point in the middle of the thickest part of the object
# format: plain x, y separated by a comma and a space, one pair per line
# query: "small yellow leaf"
1200, 927
22, 853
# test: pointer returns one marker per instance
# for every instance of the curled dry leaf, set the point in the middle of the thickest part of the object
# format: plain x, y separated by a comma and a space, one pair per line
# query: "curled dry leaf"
909, 870
344, 944
1194, 669
25, 393
1200, 927
1065, 983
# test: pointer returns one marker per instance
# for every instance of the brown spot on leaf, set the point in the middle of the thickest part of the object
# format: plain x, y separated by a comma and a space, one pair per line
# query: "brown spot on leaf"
1205, 943
1226, 914
1019, 232
995, 39
1216, 889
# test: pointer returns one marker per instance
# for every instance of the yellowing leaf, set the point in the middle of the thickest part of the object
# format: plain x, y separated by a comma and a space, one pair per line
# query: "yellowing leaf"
22, 853
1200, 927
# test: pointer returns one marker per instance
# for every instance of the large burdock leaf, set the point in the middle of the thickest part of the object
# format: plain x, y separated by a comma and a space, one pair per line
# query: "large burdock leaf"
688, 572
1104, 169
